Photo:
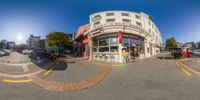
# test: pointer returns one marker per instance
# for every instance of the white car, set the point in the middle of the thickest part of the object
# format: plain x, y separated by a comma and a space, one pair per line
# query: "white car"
2, 53
27, 51
197, 52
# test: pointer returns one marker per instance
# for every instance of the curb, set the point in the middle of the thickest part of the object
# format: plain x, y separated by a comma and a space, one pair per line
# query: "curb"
17, 81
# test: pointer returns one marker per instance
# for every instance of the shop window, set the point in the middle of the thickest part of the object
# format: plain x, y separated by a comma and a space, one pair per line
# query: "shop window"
113, 41
104, 41
125, 42
95, 42
113, 48
103, 49
95, 50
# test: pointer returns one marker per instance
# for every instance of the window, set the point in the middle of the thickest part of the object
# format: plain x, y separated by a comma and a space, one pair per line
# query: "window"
113, 40
139, 24
126, 21
103, 49
152, 26
149, 23
95, 42
137, 17
149, 30
97, 17
96, 23
153, 33
109, 14
110, 20
104, 41
113, 48
125, 14
95, 50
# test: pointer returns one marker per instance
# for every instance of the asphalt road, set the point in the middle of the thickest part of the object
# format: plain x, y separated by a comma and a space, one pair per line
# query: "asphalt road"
149, 79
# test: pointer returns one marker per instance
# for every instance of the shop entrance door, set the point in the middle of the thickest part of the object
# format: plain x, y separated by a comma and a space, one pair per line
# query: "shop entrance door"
134, 53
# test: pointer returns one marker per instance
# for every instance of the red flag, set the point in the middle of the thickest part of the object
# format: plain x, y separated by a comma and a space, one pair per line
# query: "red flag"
120, 37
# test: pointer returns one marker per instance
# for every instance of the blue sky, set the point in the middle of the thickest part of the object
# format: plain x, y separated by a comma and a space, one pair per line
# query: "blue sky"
174, 18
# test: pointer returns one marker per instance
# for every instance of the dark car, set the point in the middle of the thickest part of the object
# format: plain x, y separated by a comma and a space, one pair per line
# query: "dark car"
176, 52
38, 54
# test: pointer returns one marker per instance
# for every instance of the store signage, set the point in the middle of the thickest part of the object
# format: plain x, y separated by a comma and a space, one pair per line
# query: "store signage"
120, 37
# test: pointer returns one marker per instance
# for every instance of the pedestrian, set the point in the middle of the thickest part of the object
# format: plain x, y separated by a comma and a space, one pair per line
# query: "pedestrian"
125, 55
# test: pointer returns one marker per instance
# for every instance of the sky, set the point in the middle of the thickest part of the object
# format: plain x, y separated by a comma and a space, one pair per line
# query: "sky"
20, 18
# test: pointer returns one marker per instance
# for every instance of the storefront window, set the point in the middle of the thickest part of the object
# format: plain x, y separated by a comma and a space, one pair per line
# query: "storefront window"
114, 49
103, 49
95, 42
94, 49
113, 40
103, 41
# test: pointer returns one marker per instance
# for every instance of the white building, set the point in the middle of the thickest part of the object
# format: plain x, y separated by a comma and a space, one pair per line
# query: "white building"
33, 42
140, 36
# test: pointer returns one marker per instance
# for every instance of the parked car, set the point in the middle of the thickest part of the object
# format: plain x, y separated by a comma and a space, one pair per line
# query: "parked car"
7, 52
37, 55
27, 51
2, 53
67, 51
196, 52
176, 52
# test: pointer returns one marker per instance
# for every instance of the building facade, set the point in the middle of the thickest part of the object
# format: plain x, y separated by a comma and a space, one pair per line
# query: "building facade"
81, 45
33, 42
113, 32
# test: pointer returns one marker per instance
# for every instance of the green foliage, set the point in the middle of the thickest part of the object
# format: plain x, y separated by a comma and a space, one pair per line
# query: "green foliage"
171, 43
58, 39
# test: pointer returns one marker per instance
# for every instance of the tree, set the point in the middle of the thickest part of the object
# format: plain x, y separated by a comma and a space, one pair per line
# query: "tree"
171, 43
58, 39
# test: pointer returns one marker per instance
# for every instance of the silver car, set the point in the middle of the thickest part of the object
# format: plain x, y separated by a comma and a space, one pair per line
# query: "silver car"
2, 53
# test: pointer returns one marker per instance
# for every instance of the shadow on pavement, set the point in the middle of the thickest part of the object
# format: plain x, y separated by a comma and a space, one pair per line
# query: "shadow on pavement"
63, 65
165, 58
45, 64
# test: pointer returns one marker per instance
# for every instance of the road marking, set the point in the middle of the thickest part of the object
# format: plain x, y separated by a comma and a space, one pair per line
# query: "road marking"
17, 81
177, 63
118, 65
48, 72
97, 63
186, 72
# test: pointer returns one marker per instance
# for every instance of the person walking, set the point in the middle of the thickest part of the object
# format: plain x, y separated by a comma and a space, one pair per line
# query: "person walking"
125, 55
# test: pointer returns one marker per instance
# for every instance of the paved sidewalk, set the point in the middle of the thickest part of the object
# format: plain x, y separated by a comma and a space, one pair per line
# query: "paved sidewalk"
14, 58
